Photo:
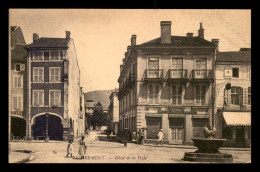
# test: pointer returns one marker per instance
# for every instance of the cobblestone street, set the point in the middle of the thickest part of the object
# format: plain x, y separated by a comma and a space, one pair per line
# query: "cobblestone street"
101, 151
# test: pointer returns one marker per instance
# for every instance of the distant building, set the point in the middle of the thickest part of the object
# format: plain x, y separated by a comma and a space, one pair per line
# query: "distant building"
166, 83
54, 88
18, 83
234, 103
113, 112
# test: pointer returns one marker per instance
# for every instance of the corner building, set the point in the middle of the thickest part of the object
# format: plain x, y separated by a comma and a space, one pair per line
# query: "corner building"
54, 90
166, 83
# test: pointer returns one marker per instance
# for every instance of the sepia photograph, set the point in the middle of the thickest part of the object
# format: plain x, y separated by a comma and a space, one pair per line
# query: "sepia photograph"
129, 86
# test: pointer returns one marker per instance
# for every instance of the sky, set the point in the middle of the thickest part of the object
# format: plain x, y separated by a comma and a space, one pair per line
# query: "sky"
101, 36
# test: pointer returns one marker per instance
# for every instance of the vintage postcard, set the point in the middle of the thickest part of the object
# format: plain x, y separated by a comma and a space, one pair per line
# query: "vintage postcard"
129, 86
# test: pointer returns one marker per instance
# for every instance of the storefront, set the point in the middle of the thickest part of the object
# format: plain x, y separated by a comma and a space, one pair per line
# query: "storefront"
176, 128
153, 125
236, 128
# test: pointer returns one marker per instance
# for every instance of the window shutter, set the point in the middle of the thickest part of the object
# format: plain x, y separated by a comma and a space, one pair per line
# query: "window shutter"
14, 103
228, 97
19, 103
245, 96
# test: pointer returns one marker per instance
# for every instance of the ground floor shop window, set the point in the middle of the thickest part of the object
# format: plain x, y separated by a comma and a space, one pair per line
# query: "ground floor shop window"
176, 129
227, 132
153, 126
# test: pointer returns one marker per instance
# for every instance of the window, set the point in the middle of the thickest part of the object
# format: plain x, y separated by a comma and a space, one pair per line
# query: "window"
235, 95
17, 67
18, 81
153, 94
235, 72
201, 67
37, 55
38, 74
200, 94
46, 55
177, 94
153, 65
55, 98
177, 65
249, 95
17, 103
38, 97
55, 55
54, 74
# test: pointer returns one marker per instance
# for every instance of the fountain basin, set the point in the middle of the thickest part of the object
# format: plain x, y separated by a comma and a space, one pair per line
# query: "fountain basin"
208, 151
206, 145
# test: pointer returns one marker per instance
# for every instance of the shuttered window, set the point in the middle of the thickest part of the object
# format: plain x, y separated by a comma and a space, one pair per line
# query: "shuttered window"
200, 92
153, 94
55, 55
38, 97
249, 95
37, 55
177, 94
54, 74
235, 96
17, 81
55, 98
17, 103
38, 74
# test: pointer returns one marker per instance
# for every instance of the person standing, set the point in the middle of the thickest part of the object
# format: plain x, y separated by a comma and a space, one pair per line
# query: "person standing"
82, 147
126, 137
160, 137
69, 149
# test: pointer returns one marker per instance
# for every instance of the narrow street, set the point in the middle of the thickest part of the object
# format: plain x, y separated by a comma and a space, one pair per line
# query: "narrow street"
102, 151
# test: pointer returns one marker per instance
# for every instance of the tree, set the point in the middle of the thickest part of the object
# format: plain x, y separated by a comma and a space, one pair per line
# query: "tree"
99, 118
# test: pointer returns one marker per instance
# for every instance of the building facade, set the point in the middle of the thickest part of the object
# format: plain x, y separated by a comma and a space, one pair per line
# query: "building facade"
18, 83
82, 118
166, 83
53, 88
233, 97
113, 112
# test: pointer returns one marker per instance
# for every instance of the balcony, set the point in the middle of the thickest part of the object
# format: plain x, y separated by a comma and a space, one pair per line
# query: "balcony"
153, 76
176, 76
202, 75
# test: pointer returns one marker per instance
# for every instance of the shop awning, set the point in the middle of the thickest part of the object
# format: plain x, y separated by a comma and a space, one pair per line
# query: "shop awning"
237, 118
153, 115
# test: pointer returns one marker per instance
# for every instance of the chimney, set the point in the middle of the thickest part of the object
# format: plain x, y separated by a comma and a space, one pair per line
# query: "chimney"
129, 50
201, 31
35, 37
215, 41
67, 34
189, 34
133, 41
166, 31
126, 55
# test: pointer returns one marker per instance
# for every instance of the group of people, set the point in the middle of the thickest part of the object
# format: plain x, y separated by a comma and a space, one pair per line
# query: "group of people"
138, 137
82, 148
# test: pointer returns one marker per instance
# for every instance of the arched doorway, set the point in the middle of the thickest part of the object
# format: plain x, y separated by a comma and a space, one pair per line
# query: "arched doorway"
18, 127
55, 127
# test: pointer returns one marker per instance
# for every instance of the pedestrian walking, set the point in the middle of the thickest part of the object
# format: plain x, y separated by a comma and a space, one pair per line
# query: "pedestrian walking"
82, 147
69, 149
160, 137
126, 137
141, 136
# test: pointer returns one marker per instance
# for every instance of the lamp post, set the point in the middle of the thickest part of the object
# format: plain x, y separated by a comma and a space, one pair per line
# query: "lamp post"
47, 136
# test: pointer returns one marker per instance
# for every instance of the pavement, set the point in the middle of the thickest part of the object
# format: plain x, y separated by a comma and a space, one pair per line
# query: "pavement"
19, 157
102, 150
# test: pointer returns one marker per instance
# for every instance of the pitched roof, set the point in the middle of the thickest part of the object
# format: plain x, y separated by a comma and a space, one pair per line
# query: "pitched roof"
50, 42
234, 56
19, 52
180, 41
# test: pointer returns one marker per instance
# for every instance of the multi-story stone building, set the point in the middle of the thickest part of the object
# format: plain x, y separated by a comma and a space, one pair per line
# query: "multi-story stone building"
113, 112
18, 83
166, 83
233, 97
53, 88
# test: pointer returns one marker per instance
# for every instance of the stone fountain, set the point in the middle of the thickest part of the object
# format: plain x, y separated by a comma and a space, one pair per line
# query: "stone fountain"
208, 149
